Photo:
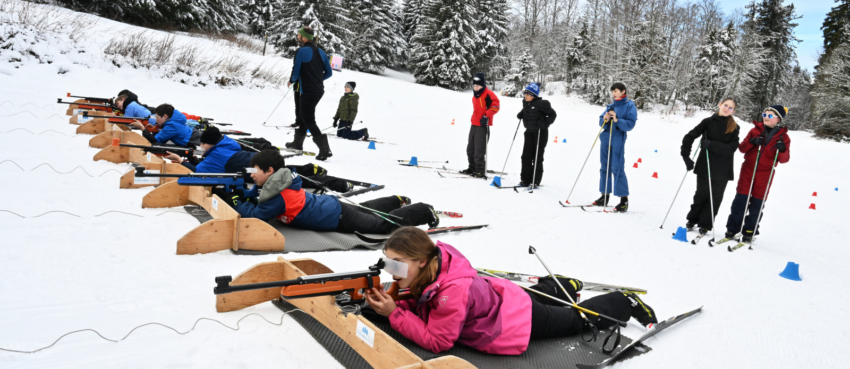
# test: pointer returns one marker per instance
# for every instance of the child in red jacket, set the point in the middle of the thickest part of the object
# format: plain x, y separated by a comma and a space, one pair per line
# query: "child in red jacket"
485, 104
767, 143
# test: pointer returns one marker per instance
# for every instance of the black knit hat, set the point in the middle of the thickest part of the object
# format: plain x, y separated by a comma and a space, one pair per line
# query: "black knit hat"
211, 136
479, 79
351, 85
778, 109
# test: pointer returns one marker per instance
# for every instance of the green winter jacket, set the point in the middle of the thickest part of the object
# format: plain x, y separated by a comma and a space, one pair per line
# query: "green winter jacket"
347, 109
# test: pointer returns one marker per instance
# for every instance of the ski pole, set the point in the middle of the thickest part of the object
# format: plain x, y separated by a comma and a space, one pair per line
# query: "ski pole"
585, 162
423, 161
750, 193
486, 143
608, 167
710, 195
512, 146
533, 251
766, 191
680, 188
339, 196
331, 126
534, 175
275, 108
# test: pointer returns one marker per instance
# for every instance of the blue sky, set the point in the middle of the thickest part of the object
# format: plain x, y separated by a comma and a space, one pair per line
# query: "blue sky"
808, 28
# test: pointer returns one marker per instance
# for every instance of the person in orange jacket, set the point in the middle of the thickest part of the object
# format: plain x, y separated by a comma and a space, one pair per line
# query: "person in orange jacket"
485, 104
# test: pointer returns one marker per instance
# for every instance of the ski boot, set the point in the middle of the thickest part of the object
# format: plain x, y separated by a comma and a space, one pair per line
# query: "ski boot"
523, 184
405, 200
297, 143
478, 174
468, 171
602, 200
435, 220
324, 148
623, 206
747, 237
365, 134
730, 235
641, 311
690, 226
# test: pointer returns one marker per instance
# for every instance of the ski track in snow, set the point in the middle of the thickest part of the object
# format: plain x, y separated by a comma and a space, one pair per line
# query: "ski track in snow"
60, 273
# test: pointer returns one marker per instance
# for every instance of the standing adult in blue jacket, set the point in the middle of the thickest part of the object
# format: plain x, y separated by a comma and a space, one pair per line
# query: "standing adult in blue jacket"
309, 70
172, 128
221, 155
619, 117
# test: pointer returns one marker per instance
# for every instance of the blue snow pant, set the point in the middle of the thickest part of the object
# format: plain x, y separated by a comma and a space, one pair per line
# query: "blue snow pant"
344, 131
617, 169
737, 215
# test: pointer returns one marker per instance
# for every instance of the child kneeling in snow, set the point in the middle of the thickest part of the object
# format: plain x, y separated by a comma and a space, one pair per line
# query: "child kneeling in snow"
453, 305
345, 114
279, 194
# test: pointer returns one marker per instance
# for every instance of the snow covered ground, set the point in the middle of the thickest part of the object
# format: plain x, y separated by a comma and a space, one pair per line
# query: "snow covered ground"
110, 265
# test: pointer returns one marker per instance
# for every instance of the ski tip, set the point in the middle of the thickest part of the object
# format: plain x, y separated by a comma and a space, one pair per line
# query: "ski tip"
582, 208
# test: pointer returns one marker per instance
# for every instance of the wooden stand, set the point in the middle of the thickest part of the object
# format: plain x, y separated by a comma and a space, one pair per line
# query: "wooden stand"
95, 126
118, 155
125, 137
73, 107
384, 352
128, 180
227, 230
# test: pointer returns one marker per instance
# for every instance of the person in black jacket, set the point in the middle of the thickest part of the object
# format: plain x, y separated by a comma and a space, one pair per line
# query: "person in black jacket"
718, 144
537, 115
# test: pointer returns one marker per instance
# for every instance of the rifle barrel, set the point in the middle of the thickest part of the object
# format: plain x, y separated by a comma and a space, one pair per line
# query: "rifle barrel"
223, 283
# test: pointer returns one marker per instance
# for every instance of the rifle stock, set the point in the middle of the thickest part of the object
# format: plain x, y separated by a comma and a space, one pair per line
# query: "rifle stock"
184, 152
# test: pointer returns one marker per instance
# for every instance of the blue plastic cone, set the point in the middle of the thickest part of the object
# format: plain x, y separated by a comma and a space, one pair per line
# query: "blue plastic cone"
413, 161
372, 145
681, 234
308, 131
836, 188
565, 140
497, 181
656, 150
792, 272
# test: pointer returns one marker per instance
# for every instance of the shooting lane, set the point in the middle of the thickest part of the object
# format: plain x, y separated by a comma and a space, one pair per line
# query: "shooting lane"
383, 352
226, 231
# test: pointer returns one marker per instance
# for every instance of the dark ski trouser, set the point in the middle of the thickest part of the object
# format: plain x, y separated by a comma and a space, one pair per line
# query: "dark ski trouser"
700, 213
476, 148
550, 318
737, 215
333, 183
529, 147
344, 130
305, 114
353, 218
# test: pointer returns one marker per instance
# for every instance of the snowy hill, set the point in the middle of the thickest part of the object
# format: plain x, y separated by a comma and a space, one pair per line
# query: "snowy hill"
79, 253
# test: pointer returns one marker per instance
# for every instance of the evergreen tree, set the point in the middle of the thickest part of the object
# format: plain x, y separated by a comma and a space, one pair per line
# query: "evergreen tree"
578, 54
643, 78
520, 76
833, 26
411, 15
831, 94
442, 48
714, 65
492, 25
219, 16
797, 97
377, 41
260, 14
772, 22
326, 17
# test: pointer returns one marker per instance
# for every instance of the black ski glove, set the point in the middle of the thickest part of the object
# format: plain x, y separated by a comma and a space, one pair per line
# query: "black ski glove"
757, 141
705, 143
335, 120
688, 163
484, 120
780, 145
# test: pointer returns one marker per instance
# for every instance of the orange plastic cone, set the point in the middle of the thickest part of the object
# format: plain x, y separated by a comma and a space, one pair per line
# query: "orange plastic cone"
635, 166
556, 139
116, 142
814, 193
640, 161
655, 175
453, 122
812, 206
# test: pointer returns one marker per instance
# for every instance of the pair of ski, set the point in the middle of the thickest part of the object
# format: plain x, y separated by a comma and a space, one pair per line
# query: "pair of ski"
587, 286
530, 188
584, 207
731, 248
433, 231
298, 152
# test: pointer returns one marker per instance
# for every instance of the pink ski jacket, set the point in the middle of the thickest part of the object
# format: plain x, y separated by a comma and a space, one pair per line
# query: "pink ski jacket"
488, 314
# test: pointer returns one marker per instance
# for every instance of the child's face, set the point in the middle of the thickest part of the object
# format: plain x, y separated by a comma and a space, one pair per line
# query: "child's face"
529, 97
261, 177
771, 122
477, 87
347, 89
206, 146
120, 104
161, 119
414, 267
617, 93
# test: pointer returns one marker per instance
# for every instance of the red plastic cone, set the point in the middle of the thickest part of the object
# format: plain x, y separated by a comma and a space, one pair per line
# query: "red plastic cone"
814, 193
655, 175
116, 142
640, 161
812, 206
635, 166
453, 122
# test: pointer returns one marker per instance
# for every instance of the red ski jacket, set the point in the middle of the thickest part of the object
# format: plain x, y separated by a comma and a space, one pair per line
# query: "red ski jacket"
768, 154
486, 104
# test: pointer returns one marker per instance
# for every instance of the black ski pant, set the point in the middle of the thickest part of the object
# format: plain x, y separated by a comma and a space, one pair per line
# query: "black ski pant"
333, 183
550, 318
700, 213
353, 218
529, 147
305, 113
737, 215
476, 148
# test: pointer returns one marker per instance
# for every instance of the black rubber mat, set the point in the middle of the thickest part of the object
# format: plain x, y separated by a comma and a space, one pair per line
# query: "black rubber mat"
299, 240
564, 352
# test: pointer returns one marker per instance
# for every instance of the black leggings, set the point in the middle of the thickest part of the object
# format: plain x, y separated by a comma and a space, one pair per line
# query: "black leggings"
550, 318
355, 218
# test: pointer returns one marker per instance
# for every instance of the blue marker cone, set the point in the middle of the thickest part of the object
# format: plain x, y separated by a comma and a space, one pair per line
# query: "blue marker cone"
372, 145
413, 161
836, 188
565, 140
497, 181
308, 131
656, 150
681, 234
792, 272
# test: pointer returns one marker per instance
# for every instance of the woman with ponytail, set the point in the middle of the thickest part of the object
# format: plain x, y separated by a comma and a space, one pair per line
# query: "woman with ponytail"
718, 144
453, 305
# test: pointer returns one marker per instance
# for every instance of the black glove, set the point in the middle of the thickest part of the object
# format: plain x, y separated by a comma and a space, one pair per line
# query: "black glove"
705, 142
780, 145
335, 120
757, 141
484, 120
688, 163
194, 160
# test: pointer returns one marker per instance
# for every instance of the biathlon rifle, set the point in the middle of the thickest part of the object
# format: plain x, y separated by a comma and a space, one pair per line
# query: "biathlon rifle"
230, 181
94, 99
330, 284
163, 150
91, 106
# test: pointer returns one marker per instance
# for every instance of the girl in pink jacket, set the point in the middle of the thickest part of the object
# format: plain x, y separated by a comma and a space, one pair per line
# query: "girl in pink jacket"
453, 304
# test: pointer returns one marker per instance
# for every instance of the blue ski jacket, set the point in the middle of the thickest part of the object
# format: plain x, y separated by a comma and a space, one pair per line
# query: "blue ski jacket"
225, 157
135, 110
283, 198
175, 130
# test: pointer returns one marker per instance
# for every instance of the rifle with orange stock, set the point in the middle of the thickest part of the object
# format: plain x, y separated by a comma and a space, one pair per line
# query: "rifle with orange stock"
90, 106
102, 100
163, 150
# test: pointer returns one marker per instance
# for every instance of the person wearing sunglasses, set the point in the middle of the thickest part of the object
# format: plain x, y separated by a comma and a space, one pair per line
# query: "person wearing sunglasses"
720, 139
768, 143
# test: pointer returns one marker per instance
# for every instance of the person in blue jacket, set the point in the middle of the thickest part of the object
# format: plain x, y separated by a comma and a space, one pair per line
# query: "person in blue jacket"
129, 104
619, 117
172, 128
310, 69
279, 195
221, 155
